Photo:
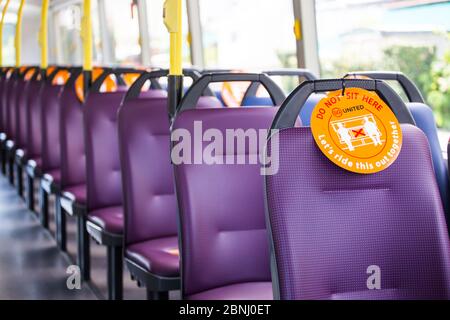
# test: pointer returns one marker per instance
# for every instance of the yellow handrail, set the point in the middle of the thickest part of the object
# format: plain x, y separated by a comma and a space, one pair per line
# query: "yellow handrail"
43, 34
2, 22
86, 35
173, 21
18, 38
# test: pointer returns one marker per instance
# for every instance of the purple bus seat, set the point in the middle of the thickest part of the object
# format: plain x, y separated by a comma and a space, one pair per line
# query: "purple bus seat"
327, 233
330, 238
223, 228
21, 119
223, 245
73, 169
72, 153
104, 185
150, 237
423, 115
4, 79
33, 136
103, 181
51, 154
11, 99
104, 213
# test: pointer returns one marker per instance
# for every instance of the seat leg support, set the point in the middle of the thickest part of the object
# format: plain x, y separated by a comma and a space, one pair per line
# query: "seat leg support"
30, 193
83, 253
19, 179
60, 218
43, 204
115, 274
3, 159
11, 170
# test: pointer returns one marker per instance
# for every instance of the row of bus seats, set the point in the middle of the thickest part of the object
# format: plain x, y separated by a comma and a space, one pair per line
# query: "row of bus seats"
202, 228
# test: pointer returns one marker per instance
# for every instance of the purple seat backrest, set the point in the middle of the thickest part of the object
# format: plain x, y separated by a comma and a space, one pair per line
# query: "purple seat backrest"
50, 116
10, 106
103, 176
208, 102
2, 94
33, 111
73, 154
3, 82
7, 81
103, 180
21, 100
147, 176
332, 229
221, 207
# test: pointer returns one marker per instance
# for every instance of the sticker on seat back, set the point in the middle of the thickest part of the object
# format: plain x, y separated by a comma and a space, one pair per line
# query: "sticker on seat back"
357, 130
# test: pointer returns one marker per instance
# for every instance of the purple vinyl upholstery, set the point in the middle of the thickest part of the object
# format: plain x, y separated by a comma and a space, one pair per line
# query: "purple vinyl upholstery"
4, 103
331, 227
104, 185
10, 106
223, 231
19, 106
22, 116
73, 155
50, 117
149, 199
2, 93
33, 107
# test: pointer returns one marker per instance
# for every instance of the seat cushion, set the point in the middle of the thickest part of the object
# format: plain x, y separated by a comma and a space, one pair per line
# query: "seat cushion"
159, 256
110, 219
240, 291
76, 193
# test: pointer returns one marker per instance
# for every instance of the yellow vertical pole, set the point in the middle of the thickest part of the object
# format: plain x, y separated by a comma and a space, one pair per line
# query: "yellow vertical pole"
86, 37
2, 23
18, 38
43, 35
173, 20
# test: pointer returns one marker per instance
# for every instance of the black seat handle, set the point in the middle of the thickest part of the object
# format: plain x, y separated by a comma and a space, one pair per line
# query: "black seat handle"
135, 90
118, 72
36, 70
292, 106
411, 90
194, 93
74, 74
305, 73
52, 75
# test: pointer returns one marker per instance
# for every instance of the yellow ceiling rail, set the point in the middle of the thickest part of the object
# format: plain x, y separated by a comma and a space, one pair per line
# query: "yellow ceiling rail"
2, 22
43, 34
86, 35
18, 37
173, 21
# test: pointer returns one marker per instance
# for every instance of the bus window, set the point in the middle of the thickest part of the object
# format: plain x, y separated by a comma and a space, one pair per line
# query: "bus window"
67, 29
410, 37
123, 26
9, 30
249, 34
159, 41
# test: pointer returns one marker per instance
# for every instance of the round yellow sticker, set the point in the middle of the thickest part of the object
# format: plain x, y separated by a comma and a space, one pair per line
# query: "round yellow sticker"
357, 131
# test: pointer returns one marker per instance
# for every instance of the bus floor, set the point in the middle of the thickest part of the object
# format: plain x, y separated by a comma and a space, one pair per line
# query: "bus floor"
33, 268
